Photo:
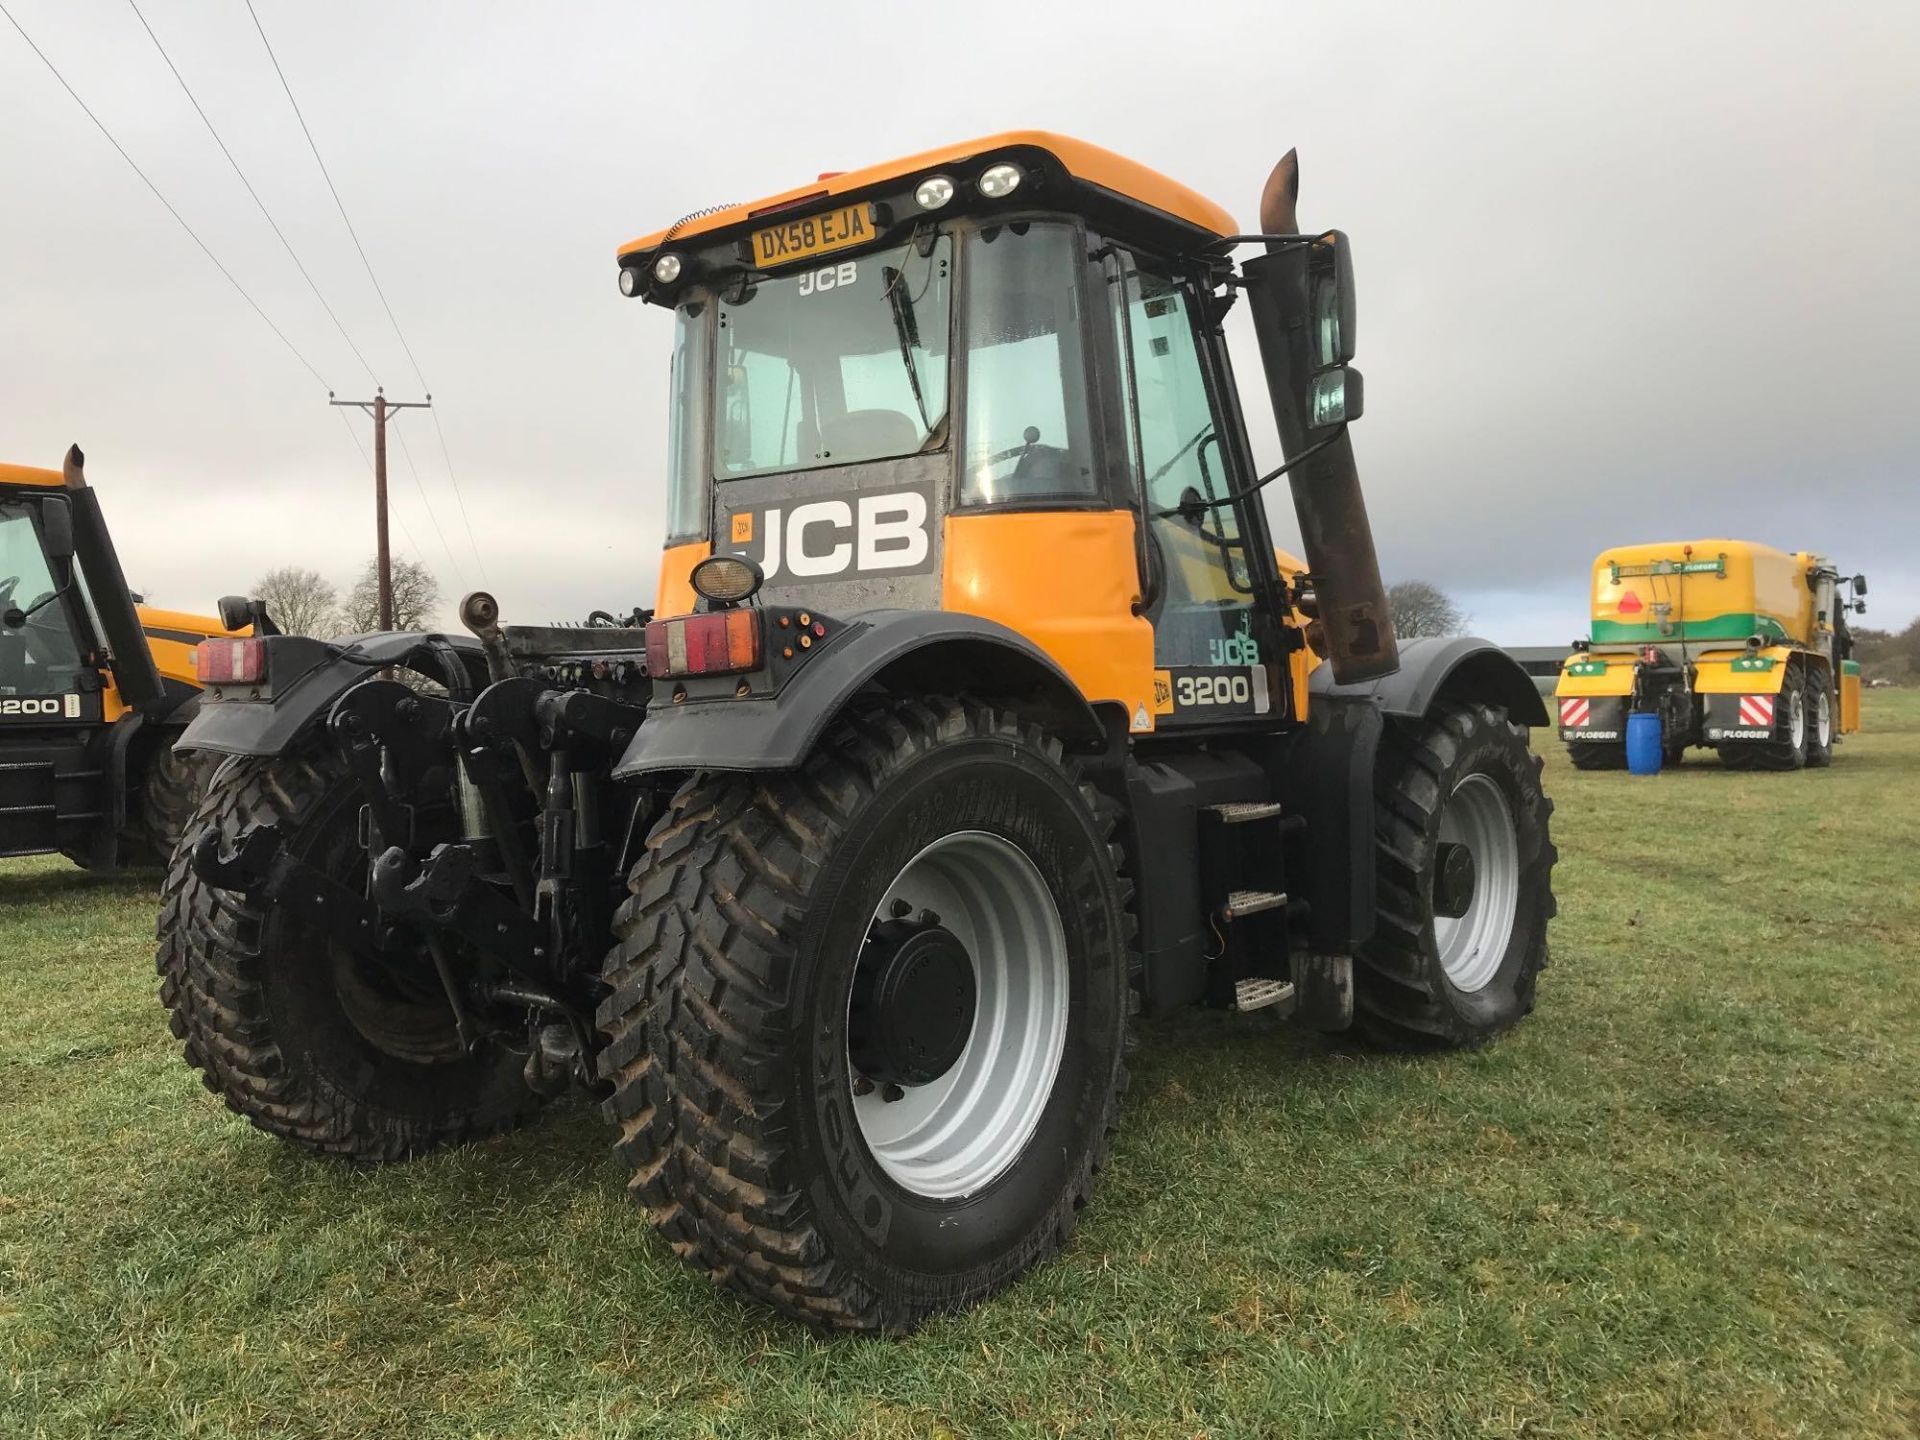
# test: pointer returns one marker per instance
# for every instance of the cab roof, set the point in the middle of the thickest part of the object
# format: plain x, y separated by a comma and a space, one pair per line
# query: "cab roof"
30, 475
1086, 163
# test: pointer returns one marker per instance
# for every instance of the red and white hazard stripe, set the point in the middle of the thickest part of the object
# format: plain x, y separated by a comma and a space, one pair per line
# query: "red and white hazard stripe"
1757, 711
1574, 711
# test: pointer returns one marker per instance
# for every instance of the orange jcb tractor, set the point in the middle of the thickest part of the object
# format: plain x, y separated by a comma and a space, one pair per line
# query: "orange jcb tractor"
977, 711
95, 687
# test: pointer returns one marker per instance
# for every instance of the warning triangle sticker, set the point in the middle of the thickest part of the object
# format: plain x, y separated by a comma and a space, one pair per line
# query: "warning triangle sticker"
1141, 719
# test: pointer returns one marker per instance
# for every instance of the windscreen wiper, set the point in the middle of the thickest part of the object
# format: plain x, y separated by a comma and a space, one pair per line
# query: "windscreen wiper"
907, 329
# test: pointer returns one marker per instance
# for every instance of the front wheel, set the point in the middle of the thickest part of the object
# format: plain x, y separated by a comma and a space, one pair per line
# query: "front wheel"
865, 1028
1465, 882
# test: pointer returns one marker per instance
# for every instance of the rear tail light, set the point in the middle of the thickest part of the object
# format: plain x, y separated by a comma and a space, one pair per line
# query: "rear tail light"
717, 644
231, 662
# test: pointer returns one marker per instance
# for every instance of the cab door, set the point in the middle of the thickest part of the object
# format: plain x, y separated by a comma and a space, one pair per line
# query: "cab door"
1210, 658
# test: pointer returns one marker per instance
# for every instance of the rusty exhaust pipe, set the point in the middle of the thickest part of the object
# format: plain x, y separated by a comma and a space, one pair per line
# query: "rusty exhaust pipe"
1282, 287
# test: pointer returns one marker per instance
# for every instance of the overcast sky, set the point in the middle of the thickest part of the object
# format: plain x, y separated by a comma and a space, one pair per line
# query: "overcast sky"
1625, 272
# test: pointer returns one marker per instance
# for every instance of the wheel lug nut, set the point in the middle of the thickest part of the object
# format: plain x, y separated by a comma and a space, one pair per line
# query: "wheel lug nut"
927, 917
900, 909
862, 1085
891, 1092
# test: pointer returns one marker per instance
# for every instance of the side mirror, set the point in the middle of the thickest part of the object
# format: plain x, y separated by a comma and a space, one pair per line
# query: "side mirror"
1335, 395
56, 530
1859, 584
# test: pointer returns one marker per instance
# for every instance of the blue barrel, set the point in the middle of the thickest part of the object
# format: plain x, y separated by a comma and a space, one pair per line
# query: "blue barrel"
1643, 743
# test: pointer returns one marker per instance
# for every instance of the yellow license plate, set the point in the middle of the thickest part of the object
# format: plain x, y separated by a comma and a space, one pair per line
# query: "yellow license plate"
812, 235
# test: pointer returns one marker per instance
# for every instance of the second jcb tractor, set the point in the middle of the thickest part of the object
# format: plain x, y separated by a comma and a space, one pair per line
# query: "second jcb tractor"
976, 712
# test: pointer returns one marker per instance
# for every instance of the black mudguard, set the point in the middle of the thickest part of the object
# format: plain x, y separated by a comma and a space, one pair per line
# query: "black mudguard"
304, 678
927, 650
1458, 667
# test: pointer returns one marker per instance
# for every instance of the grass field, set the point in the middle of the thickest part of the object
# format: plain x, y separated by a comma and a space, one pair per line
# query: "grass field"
1682, 1199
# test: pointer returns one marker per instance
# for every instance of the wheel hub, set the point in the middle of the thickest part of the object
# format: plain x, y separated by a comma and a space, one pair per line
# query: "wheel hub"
1453, 879
913, 1001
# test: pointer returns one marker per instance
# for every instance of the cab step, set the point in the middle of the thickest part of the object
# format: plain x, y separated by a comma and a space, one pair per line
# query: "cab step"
1242, 812
1256, 993
1242, 903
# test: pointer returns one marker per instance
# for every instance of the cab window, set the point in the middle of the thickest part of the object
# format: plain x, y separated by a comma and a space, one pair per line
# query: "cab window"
1175, 448
837, 363
1027, 435
37, 657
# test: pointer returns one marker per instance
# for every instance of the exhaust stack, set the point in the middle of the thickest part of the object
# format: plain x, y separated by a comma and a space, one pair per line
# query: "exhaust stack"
1301, 296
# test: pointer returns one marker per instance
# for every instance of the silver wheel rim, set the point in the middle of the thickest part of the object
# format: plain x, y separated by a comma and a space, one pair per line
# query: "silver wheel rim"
962, 1131
1797, 720
1473, 944
1823, 720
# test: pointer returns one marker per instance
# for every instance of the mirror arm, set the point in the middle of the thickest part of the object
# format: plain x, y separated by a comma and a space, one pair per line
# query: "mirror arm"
1234, 497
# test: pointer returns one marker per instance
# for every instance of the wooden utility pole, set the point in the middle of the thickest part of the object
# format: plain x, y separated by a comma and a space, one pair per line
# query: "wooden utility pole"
378, 408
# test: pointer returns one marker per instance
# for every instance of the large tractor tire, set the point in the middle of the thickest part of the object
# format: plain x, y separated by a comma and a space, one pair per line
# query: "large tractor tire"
307, 1038
1465, 882
865, 1031
1597, 754
1788, 749
163, 806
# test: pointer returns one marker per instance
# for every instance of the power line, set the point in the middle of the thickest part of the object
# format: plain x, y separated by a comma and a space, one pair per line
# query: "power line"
286, 244
191, 234
399, 334
415, 470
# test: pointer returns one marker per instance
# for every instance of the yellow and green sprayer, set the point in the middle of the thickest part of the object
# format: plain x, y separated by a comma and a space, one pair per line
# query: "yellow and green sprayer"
1727, 644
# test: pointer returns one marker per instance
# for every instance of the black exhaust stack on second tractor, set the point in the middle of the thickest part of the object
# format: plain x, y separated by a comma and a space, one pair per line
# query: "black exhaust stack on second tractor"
1301, 296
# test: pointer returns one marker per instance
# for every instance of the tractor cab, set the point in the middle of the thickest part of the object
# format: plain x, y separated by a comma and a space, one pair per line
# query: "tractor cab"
991, 380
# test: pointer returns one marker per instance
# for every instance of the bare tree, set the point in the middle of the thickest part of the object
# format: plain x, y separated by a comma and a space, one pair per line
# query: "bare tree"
1420, 608
301, 601
415, 593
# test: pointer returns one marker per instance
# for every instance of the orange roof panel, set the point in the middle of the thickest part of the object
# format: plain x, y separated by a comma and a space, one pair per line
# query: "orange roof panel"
1084, 162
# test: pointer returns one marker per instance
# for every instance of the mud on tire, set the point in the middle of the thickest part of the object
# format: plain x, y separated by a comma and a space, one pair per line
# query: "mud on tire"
257, 998
727, 1027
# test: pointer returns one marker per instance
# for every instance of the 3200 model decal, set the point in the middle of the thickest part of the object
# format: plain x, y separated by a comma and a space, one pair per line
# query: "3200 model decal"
50, 707
833, 537
1200, 692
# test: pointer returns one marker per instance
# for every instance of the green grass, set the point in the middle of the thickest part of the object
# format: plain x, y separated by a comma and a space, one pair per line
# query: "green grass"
1682, 1199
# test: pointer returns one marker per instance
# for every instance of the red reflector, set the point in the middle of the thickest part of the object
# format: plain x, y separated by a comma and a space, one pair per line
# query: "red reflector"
1630, 604
230, 662
717, 644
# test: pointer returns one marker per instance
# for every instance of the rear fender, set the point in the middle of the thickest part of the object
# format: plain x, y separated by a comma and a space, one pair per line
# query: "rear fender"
929, 651
1459, 668
305, 677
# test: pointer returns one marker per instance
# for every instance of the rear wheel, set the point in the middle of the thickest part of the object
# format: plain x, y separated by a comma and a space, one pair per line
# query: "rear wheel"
1465, 877
865, 1031
1597, 755
1819, 725
1787, 750
307, 1038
